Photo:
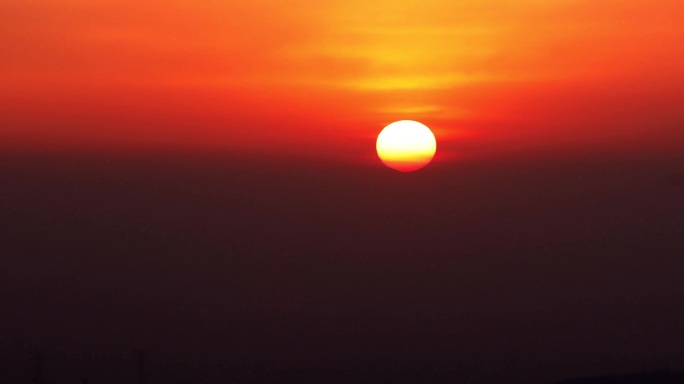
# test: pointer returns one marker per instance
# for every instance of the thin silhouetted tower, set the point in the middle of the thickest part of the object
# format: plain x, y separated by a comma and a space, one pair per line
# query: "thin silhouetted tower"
141, 366
37, 368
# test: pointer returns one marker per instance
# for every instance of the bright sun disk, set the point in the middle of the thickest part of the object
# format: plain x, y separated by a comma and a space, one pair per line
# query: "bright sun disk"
406, 145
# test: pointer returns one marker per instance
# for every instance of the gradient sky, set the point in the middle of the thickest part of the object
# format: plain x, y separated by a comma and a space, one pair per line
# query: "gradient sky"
199, 179
311, 77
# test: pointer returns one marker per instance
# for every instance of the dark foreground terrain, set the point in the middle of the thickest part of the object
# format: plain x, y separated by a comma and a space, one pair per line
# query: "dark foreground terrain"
509, 271
663, 377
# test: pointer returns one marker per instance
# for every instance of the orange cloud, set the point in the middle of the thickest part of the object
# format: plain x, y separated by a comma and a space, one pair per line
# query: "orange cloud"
313, 76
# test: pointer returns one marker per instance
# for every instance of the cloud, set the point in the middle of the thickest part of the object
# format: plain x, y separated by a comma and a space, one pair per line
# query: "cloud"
530, 72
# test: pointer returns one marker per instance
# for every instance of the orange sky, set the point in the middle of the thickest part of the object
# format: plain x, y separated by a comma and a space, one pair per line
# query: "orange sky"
323, 77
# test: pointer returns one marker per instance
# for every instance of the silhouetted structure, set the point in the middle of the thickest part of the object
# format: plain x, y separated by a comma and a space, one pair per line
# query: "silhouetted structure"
141, 366
37, 368
662, 377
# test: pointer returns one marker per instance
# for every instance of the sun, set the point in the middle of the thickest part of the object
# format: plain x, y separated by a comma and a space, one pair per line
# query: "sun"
406, 145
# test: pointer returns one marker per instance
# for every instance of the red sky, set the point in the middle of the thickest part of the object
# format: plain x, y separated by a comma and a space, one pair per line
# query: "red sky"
312, 77
553, 266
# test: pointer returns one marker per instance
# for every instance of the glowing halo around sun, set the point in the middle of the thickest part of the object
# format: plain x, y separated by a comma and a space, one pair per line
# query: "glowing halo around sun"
406, 145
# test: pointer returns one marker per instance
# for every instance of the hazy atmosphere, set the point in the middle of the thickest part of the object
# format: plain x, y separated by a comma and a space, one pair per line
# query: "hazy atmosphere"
190, 192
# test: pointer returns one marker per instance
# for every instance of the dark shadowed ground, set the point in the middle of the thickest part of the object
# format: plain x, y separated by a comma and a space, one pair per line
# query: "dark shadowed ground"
540, 270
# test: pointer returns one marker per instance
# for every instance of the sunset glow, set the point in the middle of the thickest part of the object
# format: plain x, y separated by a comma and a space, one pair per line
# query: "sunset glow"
317, 78
341, 191
406, 145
